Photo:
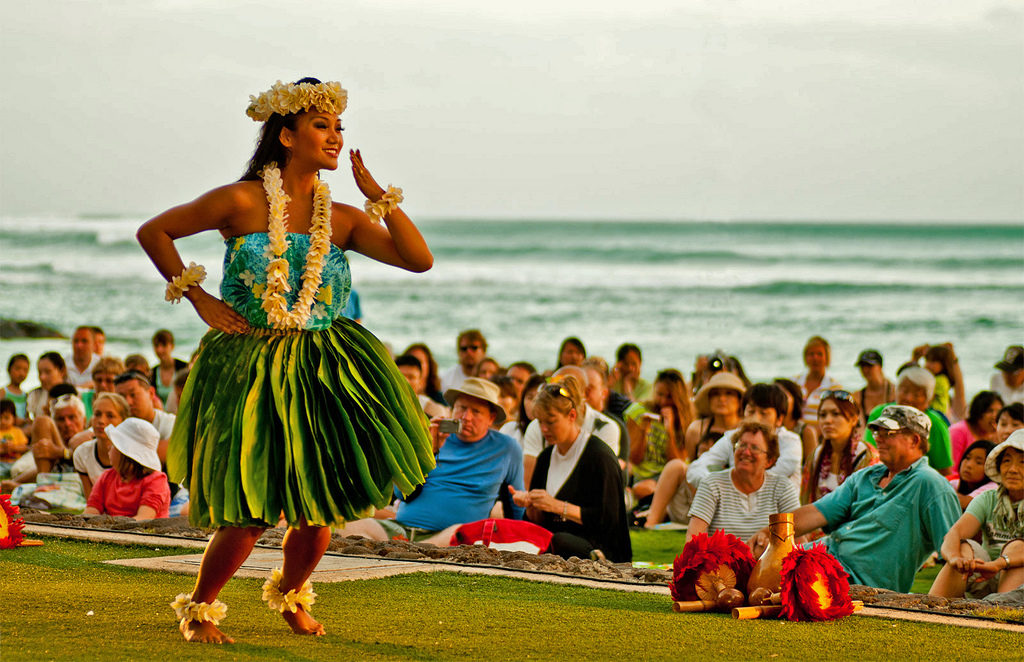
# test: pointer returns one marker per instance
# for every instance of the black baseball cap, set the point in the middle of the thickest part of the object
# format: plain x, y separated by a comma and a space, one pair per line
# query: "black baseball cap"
868, 357
1013, 359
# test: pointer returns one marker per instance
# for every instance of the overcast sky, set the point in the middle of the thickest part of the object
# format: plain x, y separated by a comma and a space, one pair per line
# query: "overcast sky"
860, 109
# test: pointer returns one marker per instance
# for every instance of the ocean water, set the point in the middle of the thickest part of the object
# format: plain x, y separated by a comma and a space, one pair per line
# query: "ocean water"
678, 289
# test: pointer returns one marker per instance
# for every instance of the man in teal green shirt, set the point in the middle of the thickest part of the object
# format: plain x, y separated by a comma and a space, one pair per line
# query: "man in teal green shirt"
885, 520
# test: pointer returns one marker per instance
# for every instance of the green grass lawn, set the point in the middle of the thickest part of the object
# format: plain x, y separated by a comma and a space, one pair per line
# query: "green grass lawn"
49, 591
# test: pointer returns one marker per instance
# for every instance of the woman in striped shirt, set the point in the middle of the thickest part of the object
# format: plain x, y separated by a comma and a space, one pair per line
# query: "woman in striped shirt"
740, 499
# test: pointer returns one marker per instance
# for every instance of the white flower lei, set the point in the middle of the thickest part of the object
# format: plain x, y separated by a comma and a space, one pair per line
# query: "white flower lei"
274, 302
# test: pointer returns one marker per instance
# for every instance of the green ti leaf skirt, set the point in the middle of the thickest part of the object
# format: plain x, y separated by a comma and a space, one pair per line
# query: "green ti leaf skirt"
317, 425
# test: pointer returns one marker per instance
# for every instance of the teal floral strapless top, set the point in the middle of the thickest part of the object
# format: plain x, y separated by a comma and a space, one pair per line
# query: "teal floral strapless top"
245, 279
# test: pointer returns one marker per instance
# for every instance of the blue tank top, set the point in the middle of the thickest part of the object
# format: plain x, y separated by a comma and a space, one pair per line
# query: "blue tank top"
245, 279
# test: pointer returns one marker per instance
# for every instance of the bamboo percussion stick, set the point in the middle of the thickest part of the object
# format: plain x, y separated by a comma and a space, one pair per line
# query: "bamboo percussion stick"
689, 606
745, 613
770, 611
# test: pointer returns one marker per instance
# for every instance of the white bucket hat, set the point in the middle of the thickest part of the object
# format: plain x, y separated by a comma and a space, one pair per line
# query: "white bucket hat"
137, 439
1015, 440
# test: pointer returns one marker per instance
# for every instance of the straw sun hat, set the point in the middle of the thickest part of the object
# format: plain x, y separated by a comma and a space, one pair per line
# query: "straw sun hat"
724, 380
1015, 440
482, 389
137, 439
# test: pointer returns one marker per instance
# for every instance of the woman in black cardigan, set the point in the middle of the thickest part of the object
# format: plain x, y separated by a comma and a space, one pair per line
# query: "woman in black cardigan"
576, 491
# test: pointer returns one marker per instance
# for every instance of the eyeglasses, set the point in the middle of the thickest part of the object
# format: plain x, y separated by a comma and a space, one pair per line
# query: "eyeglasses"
886, 434
753, 450
837, 394
468, 348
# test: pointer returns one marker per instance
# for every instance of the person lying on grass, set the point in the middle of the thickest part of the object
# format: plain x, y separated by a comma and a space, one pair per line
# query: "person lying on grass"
997, 564
134, 486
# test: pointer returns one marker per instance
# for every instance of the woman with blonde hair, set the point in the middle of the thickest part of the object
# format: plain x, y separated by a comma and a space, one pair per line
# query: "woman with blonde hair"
816, 379
576, 488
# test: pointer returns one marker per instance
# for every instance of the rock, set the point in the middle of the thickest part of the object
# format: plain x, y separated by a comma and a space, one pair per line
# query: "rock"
26, 329
167, 524
517, 564
404, 554
39, 517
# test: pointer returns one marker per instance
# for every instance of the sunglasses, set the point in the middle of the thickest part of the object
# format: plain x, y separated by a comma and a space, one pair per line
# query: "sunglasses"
468, 348
556, 389
837, 394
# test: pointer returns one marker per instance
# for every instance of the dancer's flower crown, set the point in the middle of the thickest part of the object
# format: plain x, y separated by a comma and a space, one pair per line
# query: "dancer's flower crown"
287, 98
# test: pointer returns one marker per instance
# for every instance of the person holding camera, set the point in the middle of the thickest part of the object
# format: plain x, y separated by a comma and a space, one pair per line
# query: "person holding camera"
474, 462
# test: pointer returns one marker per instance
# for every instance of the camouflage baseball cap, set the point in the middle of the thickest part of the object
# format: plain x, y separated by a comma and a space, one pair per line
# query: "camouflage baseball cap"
901, 417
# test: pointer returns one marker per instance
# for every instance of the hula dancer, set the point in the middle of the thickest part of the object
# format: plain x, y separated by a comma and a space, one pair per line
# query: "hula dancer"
290, 409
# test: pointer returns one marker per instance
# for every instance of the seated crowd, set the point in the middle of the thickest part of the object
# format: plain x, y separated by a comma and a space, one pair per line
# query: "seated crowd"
898, 469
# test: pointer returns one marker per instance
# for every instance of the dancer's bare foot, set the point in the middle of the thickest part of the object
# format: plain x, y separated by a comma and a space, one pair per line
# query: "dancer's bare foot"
204, 632
302, 623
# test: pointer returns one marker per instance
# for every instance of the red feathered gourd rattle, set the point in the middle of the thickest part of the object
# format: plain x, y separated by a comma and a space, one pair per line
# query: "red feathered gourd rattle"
814, 586
706, 573
10, 524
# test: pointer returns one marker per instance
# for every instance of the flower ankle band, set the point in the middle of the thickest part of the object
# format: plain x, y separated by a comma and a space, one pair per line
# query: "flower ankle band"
187, 610
290, 601
192, 276
387, 203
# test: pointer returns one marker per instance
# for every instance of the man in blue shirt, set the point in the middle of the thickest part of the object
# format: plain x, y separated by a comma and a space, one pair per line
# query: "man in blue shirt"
473, 465
884, 521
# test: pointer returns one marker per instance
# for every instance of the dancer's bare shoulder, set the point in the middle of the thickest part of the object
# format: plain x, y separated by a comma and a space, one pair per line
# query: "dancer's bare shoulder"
246, 204
232, 209
344, 220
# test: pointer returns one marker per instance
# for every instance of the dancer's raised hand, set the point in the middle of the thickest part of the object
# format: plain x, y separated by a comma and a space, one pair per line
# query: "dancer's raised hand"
364, 180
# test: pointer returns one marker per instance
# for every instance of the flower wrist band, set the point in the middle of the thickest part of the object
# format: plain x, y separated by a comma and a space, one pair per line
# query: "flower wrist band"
291, 601
387, 203
187, 610
192, 276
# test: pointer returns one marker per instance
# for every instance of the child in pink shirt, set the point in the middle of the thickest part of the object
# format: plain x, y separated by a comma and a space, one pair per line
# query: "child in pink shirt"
134, 486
